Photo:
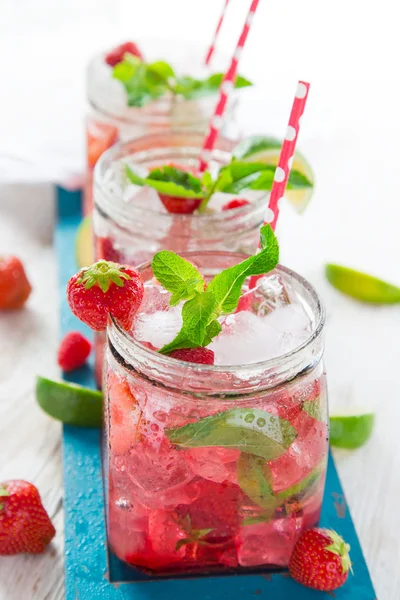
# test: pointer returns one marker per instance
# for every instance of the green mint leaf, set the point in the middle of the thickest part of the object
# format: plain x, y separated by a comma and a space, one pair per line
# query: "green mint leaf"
249, 430
177, 275
197, 314
305, 487
263, 517
200, 314
200, 533
314, 409
255, 144
227, 285
159, 71
169, 181
255, 479
191, 88
239, 176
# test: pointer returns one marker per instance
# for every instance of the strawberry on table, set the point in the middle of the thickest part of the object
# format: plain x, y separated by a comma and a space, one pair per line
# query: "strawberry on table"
116, 55
73, 351
320, 560
14, 285
102, 289
24, 524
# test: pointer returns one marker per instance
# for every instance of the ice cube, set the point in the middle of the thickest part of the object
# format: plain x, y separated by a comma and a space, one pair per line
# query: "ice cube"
269, 543
270, 294
214, 464
245, 339
160, 327
156, 469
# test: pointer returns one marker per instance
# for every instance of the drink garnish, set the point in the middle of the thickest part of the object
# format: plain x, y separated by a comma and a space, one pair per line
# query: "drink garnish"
69, 402
202, 308
105, 288
320, 560
145, 82
234, 178
361, 286
351, 431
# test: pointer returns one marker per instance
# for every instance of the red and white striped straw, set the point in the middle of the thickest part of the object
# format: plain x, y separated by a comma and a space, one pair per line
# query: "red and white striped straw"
225, 89
211, 49
287, 152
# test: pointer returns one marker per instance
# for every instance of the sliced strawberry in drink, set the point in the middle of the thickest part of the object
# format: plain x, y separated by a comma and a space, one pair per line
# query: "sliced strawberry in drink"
99, 137
106, 250
217, 509
180, 206
235, 203
116, 55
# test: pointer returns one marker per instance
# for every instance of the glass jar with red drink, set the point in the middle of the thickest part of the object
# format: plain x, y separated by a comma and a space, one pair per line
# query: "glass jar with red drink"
217, 468
131, 223
111, 119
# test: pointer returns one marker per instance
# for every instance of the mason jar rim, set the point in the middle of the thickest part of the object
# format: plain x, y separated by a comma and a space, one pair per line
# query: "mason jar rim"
113, 198
164, 363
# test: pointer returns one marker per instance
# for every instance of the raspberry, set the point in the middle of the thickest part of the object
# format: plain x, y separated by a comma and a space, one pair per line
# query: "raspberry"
235, 203
116, 55
201, 356
73, 351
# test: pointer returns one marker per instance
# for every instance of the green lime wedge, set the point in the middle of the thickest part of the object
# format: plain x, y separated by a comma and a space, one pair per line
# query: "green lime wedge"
362, 286
351, 431
266, 150
70, 403
84, 244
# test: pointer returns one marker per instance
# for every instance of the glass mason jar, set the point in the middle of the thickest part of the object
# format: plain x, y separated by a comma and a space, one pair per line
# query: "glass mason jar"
131, 228
215, 468
109, 119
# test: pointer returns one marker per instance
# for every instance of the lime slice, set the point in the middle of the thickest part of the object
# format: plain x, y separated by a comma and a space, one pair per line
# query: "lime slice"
70, 403
351, 431
84, 244
266, 150
362, 286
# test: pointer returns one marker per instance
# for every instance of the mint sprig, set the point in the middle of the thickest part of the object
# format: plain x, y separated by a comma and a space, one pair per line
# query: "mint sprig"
239, 176
171, 182
201, 311
177, 276
144, 82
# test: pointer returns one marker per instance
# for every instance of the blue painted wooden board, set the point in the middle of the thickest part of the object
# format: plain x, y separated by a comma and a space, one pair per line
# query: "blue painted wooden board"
91, 571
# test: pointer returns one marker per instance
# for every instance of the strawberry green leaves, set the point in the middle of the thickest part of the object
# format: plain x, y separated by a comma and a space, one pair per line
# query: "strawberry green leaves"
252, 431
103, 273
202, 308
145, 82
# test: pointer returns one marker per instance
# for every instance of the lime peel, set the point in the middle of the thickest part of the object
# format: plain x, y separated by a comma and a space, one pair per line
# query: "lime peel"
70, 403
361, 286
351, 431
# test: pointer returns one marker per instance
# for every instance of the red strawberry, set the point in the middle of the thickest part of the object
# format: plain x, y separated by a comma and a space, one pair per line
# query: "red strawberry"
24, 524
235, 203
73, 351
102, 289
116, 55
202, 356
180, 206
14, 285
320, 560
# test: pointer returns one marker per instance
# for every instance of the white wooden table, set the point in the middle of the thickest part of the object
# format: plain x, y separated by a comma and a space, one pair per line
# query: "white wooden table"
350, 133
